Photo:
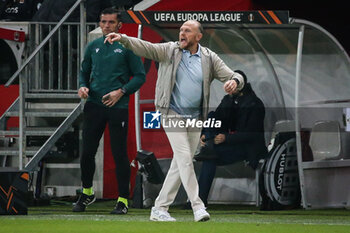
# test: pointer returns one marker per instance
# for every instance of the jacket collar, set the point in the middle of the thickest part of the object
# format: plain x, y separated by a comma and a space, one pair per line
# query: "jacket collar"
203, 50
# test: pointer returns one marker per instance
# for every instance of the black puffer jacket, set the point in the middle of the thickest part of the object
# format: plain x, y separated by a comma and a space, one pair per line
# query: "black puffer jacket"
242, 118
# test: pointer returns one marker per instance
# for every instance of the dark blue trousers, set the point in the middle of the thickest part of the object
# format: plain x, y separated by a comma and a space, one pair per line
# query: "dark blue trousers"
227, 154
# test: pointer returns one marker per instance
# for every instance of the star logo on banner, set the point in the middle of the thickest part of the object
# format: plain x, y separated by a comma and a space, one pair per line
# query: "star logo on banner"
156, 115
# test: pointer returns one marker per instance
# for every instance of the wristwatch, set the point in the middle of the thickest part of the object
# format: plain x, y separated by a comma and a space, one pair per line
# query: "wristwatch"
123, 90
237, 81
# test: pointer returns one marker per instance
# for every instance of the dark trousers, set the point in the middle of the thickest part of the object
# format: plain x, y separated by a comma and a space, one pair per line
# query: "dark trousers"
95, 119
226, 154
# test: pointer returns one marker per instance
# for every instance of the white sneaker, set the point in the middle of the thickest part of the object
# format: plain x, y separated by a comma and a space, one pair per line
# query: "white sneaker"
201, 215
161, 215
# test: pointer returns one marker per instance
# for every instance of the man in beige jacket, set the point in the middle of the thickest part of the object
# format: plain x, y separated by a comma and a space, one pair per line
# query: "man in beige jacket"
186, 70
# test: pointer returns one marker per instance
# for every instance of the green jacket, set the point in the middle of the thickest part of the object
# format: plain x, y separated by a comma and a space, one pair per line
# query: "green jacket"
108, 67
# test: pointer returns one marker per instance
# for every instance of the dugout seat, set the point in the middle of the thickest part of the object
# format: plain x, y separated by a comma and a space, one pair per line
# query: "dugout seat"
325, 140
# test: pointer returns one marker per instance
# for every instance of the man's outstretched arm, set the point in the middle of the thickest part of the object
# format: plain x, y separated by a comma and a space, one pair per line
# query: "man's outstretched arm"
155, 51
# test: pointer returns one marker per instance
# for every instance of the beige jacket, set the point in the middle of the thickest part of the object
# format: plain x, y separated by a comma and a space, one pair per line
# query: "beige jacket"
169, 56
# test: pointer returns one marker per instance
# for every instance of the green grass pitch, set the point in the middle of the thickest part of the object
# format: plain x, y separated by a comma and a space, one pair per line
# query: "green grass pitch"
58, 218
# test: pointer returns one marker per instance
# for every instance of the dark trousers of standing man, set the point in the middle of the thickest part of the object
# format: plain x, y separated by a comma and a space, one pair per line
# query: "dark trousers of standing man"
95, 119
226, 154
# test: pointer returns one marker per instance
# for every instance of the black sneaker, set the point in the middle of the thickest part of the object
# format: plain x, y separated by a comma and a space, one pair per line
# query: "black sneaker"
83, 201
120, 208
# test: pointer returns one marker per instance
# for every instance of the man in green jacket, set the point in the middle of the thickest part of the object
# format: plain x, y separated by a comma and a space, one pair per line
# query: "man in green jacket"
186, 70
104, 81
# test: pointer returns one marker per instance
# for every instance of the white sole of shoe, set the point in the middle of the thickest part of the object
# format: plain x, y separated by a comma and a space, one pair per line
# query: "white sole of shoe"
204, 219
159, 220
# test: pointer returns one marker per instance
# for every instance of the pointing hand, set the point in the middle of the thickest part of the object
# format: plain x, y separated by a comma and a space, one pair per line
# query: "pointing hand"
111, 37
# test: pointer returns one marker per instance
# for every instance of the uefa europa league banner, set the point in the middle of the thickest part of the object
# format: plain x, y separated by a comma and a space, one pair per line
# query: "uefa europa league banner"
205, 17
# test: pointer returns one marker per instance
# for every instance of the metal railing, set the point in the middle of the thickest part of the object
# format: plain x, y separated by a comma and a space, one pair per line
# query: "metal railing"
52, 32
38, 74
56, 66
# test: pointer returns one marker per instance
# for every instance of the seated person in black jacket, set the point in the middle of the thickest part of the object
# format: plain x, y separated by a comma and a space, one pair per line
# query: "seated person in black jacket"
241, 136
